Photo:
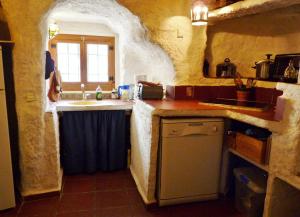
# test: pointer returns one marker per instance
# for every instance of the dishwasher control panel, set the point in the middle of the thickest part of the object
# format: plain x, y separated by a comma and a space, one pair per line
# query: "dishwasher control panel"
197, 127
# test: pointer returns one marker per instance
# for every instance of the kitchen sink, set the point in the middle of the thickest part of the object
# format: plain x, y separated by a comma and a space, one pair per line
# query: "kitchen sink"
87, 105
82, 103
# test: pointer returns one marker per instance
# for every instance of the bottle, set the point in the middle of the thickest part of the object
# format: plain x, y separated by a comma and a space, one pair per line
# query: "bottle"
114, 94
125, 94
290, 71
98, 93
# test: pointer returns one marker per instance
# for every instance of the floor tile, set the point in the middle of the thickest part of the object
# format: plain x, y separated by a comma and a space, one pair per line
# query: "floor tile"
115, 212
10, 212
79, 186
194, 209
77, 214
113, 174
47, 207
129, 182
111, 199
134, 196
108, 183
140, 210
77, 202
80, 177
113, 194
40, 215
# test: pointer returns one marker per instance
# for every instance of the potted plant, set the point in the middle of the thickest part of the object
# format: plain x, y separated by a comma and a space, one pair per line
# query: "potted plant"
243, 90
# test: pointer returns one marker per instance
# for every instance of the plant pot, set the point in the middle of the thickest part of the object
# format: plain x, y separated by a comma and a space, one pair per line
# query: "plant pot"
242, 95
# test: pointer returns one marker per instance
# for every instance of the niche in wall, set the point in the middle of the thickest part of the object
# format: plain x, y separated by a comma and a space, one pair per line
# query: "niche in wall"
4, 31
246, 40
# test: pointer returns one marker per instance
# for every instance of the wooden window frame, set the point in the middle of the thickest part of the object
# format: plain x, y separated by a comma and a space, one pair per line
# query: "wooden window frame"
83, 40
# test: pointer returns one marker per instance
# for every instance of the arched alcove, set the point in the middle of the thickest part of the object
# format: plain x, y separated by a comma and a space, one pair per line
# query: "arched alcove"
136, 54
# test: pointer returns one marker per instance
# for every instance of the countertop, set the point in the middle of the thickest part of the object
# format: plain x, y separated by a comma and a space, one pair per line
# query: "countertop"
93, 105
169, 105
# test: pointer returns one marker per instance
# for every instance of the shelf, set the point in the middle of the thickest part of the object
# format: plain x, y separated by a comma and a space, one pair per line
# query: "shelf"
261, 166
248, 7
292, 180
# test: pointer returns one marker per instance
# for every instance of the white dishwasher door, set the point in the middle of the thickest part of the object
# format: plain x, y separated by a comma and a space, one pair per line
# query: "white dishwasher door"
190, 158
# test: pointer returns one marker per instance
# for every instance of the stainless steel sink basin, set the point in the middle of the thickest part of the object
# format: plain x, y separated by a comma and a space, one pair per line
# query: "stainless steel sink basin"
86, 105
82, 103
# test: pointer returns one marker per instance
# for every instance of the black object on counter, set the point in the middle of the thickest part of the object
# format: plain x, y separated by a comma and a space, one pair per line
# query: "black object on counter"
92, 141
206, 68
150, 92
226, 69
281, 63
49, 65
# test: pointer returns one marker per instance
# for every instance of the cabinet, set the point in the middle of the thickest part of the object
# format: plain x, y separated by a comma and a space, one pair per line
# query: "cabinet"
250, 143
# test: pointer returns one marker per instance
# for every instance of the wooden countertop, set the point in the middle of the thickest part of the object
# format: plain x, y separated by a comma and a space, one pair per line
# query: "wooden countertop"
195, 105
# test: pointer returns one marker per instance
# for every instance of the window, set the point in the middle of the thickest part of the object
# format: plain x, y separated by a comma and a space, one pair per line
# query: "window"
84, 59
97, 64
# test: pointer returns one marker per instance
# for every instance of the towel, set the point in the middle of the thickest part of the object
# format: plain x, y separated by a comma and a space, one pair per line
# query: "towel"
49, 66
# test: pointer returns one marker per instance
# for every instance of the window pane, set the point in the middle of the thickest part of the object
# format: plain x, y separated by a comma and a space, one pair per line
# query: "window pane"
97, 63
68, 57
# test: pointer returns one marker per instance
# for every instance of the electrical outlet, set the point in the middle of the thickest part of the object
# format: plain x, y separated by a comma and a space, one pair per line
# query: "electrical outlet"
179, 34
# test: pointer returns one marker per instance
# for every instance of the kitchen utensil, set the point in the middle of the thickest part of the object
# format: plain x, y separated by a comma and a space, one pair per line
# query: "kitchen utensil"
264, 68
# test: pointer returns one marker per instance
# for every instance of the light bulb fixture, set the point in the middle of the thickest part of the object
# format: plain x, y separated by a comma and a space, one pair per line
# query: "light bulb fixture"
53, 30
199, 14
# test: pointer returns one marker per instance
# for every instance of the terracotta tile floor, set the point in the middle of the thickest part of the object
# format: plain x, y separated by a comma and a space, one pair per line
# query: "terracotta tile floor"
111, 195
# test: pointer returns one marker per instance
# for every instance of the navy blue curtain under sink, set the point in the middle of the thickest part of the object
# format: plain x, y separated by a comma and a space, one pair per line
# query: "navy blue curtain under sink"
92, 141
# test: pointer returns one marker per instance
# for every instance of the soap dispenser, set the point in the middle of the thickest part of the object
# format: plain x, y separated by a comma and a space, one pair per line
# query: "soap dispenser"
98, 93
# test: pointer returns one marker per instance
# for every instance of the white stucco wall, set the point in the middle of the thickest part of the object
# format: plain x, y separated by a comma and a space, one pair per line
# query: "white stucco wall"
39, 150
168, 27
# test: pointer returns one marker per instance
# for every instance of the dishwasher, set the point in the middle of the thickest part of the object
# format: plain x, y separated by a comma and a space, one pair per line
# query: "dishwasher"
189, 160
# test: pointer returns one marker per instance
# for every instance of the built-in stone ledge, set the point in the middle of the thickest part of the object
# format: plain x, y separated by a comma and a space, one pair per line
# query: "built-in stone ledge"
284, 200
248, 7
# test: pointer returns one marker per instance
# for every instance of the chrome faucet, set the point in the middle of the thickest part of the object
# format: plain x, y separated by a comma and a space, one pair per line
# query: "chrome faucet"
83, 92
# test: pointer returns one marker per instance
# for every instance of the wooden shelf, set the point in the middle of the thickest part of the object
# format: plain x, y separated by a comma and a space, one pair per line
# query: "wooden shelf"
261, 166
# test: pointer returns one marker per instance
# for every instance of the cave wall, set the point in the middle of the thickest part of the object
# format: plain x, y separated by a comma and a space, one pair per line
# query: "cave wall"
168, 26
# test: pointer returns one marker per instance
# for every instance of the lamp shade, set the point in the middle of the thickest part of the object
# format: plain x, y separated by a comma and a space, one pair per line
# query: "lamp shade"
199, 14
53, 30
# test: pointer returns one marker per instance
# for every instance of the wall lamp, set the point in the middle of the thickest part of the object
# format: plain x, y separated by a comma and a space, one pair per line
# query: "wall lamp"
53, 30
199, 14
